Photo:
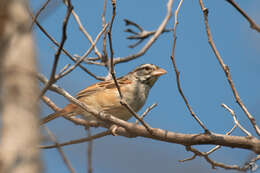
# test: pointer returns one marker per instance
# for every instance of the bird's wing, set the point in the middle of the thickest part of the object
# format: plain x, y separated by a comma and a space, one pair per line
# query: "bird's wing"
100, 86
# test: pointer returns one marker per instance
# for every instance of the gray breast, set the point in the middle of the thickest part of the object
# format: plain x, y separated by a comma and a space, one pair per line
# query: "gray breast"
139, 94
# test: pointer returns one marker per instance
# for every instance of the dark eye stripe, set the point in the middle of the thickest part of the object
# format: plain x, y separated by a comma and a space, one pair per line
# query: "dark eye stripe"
146, 68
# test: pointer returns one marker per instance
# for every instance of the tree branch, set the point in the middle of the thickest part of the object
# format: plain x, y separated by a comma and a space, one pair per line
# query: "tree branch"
253, 25
226, 69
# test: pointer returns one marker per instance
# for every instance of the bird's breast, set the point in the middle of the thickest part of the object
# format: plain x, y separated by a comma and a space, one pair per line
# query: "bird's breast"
136, 96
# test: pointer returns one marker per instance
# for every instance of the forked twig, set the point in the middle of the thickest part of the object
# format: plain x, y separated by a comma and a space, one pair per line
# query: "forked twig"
213, 163
83, 57
141, 35
65, 51
219, 146
235, 119
152, 39
226, 70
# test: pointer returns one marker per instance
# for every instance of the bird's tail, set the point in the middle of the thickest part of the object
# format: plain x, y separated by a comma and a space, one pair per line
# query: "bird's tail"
51, 117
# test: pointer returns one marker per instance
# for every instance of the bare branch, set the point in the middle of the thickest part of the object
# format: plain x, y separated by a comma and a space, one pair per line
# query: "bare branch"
66, 52
213, 163
104, 13
128, 22
76, 121
39, 12
50, 103
83, 57
152, 39
141, 35
148, 128
235, 119
132, 130
63, 70
89, 151
91, 60
63, 156
252, 143
112, 72
178, 73
57, 54
226, 69
99, 135
219, 146
253, 25
111, 65
104, 50
146, 112
188, 159
76, 17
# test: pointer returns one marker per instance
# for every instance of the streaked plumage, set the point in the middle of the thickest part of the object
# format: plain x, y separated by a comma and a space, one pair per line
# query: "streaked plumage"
103, 96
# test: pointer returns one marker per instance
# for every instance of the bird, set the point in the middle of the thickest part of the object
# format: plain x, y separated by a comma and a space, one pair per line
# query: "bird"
104, 95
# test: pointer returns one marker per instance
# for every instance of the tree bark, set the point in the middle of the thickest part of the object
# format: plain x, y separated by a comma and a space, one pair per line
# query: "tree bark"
19, 91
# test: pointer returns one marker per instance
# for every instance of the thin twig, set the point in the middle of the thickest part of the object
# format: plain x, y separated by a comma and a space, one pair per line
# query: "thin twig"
235, 119
213, 163
39, 12
81, 27
178, 73
226, 70
219, 146
83, 57
188, 159
63, 70
148, 128
104, 13
57, 54
112, 72
104, 50
146, 112
78, 141
253, 25
89, 152
111, 65
128, 129
66, 52
76, 121
50, 103
63, 156
91, 60
141, 35
152, 39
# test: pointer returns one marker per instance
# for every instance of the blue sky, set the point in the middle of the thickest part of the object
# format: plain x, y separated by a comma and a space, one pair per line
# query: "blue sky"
202, 80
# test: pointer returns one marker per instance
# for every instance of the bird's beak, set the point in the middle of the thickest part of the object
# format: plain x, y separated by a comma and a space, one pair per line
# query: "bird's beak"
159, 72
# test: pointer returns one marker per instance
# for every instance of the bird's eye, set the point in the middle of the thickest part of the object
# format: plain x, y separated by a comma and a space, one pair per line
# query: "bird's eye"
147, 68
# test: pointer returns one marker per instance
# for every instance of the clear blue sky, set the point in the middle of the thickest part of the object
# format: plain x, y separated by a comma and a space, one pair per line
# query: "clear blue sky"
202, 79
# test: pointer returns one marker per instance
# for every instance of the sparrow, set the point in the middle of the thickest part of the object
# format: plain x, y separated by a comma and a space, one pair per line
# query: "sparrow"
104, 96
